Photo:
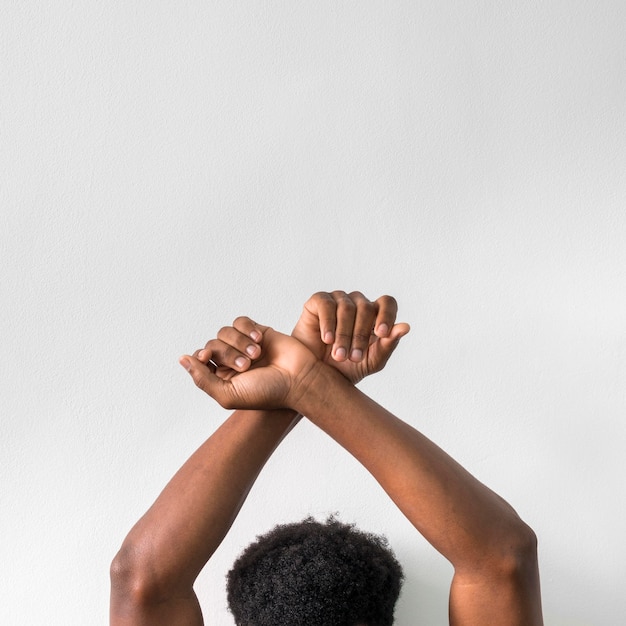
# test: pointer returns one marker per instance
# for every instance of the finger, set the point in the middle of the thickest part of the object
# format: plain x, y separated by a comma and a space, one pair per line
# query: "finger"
323, 308
386, 318
203, 355
365, 318
250, 328
240, 341
225, 354
388, 344
382, 349
346, 313
398, 331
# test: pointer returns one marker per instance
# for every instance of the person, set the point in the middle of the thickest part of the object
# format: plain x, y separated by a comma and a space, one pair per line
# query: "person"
271, 379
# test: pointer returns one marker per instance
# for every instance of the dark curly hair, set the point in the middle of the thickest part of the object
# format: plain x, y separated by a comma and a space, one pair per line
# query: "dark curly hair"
315, 574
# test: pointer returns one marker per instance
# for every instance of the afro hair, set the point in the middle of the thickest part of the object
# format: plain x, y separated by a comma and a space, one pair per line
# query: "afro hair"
315, 574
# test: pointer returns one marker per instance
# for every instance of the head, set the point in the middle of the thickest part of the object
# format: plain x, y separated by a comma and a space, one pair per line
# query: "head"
315, 574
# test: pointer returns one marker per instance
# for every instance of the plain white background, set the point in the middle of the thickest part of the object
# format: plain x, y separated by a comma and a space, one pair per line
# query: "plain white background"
166, 166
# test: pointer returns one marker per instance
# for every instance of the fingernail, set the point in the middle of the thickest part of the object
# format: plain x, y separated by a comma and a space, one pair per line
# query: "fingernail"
340, 353
383, 330
356, 355
251, 350
255, 335
201, 355
328, 337
186, 363
240, 361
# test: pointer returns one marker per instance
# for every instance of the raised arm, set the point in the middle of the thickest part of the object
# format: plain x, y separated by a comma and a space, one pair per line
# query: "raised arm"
493, 552
496, 579
152, 575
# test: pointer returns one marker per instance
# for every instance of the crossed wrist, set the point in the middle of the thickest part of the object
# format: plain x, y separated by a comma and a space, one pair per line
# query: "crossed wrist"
317, 388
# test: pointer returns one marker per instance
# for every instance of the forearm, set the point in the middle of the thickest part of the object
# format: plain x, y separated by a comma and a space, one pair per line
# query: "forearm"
172, 542
430, 488
479, 533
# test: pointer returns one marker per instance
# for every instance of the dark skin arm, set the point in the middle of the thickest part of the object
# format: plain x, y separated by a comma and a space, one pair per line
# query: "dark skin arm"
152, 575
154, 572
496, 579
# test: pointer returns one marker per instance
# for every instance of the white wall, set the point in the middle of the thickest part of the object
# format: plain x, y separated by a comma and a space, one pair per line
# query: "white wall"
166, 166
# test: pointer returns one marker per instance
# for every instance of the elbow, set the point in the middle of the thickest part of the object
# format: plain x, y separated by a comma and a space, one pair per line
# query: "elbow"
516, 555
134, 579
506, 551
128, 581
504, 578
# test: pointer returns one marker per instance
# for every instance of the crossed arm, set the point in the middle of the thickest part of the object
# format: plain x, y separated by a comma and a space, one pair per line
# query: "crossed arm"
271, 379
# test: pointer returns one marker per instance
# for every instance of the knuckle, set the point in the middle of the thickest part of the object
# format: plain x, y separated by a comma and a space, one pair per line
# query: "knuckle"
367, 308
388, 301
357, 295
225, 355
230, 356
320, 303
212, 344
360, 338
223, 331
242, 320
320, 299
346, 301
320, 295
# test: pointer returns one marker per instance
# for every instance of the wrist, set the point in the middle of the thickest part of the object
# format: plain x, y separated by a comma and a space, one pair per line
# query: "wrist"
318, 388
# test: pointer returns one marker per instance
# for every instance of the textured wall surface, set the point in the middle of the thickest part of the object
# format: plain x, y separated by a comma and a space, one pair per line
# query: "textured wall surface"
166, 166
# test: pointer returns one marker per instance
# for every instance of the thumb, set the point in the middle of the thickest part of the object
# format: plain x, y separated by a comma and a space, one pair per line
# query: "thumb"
398, 331
389, 343
206, 379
